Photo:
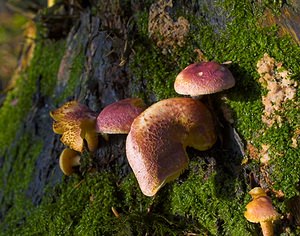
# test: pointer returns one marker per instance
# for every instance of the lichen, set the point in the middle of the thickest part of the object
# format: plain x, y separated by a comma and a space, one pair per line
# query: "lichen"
276, 79
166, 33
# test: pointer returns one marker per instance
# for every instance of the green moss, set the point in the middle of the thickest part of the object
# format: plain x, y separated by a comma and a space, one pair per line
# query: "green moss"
83, 207
76, 207
39, 79
16, 175
17, 149
154, 71
286, 173
74, 79
46, 65
216, 204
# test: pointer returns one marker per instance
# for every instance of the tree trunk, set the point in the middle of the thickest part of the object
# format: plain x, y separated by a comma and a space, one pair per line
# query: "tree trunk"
100, 39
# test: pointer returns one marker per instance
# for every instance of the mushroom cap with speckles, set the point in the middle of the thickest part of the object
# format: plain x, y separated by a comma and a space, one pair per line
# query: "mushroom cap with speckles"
68, 160
203, 78
260, 209
75, 122
155, 145
117, 117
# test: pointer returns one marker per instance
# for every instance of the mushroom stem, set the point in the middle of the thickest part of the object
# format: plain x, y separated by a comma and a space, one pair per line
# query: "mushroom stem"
267, 228
197, 97
92, 141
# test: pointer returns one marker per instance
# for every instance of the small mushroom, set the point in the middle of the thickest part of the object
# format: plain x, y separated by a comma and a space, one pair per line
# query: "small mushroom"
155, 145
76, 122
260, 210
203, 78
68, 160
117, 117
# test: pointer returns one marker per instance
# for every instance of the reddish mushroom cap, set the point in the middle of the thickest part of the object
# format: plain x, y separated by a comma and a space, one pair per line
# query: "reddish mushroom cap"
203, 78
155, 145
117, 117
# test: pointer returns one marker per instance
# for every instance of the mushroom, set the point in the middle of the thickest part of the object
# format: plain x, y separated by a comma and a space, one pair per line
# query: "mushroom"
260, 210
155, 145
68, 160
117, 117
76, 122
203, 78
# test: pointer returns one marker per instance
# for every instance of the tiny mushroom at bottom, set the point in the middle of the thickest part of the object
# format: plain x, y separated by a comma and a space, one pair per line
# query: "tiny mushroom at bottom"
68, 160
155, 145
260, 210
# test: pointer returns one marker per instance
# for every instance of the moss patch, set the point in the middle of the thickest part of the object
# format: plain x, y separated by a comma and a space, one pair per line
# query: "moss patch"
76, 207
15, 179
77, 65
203, 200
83, 207
17, 149
39, 80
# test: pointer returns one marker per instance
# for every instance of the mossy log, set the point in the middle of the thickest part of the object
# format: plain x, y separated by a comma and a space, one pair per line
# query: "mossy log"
99, 52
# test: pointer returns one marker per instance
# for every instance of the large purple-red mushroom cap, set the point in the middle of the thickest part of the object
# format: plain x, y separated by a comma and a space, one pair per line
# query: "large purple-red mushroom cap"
203, 78
155, 145
117, 117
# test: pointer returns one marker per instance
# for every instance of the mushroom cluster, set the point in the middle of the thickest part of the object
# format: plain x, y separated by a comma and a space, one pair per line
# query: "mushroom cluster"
76, 123
157, 135
79, 125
